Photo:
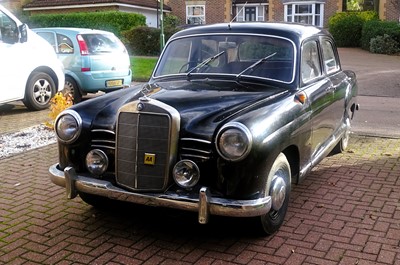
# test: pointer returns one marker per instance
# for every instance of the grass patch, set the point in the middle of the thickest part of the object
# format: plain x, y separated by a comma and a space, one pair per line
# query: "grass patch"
142, 67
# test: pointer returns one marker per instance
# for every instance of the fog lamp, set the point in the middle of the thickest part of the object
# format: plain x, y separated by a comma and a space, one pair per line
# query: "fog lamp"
186, 174
96, 162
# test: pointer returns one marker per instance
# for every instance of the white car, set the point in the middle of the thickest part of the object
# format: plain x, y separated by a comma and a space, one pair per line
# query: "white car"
29, 68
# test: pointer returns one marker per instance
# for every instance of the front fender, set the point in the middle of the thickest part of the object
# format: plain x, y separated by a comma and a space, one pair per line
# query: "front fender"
292, 136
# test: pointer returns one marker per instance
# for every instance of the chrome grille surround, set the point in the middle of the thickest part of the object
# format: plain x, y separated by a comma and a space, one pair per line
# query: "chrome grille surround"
147, 130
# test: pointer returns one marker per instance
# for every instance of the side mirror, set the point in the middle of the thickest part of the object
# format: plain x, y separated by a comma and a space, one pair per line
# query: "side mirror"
24, 33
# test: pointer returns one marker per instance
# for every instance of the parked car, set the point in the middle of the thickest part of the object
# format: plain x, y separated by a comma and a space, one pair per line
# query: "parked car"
94, 60
232, 116
29, 68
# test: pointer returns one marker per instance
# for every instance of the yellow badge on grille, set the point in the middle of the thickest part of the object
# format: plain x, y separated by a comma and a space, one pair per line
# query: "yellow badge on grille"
149, 159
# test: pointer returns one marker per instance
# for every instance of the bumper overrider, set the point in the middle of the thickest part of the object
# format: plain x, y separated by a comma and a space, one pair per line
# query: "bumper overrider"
205, 204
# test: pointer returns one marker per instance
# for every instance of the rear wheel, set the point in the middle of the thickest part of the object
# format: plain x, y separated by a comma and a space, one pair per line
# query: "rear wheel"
344, 141
39, 90
279, 190
71, 87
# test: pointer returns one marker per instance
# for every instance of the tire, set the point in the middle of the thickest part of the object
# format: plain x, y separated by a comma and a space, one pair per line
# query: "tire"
39, 91
344, 141
279, 188
72, 88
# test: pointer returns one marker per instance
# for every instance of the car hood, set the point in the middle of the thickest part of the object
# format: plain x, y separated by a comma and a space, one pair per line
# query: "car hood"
202, 105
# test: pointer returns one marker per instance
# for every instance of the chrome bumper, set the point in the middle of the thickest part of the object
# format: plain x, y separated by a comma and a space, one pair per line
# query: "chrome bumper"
205, 204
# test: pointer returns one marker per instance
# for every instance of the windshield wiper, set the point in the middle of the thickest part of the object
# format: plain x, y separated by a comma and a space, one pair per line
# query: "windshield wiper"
254, 65
205, 62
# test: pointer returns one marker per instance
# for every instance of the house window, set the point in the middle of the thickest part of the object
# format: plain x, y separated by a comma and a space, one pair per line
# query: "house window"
308, 13
251, 12
195, 14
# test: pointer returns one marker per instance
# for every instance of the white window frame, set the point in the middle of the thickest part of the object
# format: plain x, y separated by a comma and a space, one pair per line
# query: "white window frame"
260, 12
315, 17
202, 17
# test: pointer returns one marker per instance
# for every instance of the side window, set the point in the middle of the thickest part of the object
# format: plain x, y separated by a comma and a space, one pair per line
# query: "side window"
330, 62
310, 63
65, 45
8, 30
49, 37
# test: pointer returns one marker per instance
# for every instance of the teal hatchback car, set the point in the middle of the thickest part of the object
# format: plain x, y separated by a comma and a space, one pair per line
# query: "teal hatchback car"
94, 60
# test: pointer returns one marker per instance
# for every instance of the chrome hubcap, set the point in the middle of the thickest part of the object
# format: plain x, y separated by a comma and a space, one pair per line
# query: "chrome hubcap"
278, 193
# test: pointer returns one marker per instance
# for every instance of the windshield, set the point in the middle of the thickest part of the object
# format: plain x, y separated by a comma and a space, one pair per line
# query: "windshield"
265, 57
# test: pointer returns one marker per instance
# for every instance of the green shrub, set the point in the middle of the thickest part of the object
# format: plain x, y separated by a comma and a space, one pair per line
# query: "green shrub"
113, 21
346, 27
375, 28
384, 44
171, 22
368, 15
145, 41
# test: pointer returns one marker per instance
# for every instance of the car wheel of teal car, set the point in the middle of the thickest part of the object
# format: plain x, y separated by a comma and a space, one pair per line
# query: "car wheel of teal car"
72, 88
39, 91
279, 190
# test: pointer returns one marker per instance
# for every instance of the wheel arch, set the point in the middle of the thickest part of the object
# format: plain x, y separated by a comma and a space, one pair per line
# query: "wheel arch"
72, 75
49, 71
293, 156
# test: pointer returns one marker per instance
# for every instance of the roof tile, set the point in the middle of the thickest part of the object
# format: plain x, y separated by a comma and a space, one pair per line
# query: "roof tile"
52, 3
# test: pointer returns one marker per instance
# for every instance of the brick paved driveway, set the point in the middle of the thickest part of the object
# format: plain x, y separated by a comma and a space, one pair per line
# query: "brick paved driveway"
347, 211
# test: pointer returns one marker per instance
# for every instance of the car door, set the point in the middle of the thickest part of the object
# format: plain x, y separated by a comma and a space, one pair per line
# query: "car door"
12, 84
320, 93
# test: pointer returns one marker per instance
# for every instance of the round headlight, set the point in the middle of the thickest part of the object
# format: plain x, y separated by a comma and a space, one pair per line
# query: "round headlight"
96, 162
68, 126
234, 141
186, 174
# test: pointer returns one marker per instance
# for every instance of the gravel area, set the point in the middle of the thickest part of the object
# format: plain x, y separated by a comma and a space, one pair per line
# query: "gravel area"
26, 139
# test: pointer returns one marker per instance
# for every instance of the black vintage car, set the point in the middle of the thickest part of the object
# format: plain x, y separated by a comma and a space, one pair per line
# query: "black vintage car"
232, 116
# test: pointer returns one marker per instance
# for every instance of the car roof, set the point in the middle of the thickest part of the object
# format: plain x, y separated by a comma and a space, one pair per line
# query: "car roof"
73, 30
293, 31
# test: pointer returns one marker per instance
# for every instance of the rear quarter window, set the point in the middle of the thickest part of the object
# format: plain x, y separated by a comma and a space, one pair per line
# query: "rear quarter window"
331, 63
65, 45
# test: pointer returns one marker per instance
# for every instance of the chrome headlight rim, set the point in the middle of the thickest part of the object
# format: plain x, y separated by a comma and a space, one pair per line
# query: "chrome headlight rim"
246, 132
183, 182
95, 169
78, 121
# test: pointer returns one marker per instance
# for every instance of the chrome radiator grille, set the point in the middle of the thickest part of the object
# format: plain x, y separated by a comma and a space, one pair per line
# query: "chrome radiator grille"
142, 155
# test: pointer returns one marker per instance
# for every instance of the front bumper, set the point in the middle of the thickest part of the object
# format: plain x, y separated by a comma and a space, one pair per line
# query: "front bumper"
205, 204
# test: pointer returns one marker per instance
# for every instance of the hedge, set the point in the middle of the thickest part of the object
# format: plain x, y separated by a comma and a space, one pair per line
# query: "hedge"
113, 21
374, 28
346, 27
145, 41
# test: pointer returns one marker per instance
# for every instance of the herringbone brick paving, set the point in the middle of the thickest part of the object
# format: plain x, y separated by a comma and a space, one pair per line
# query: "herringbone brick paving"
347, 211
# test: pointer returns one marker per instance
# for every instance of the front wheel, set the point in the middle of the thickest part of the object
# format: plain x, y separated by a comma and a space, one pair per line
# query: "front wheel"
39, 90
279, 189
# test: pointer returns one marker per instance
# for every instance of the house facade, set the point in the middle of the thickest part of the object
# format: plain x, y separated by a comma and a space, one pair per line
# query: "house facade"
315, 12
